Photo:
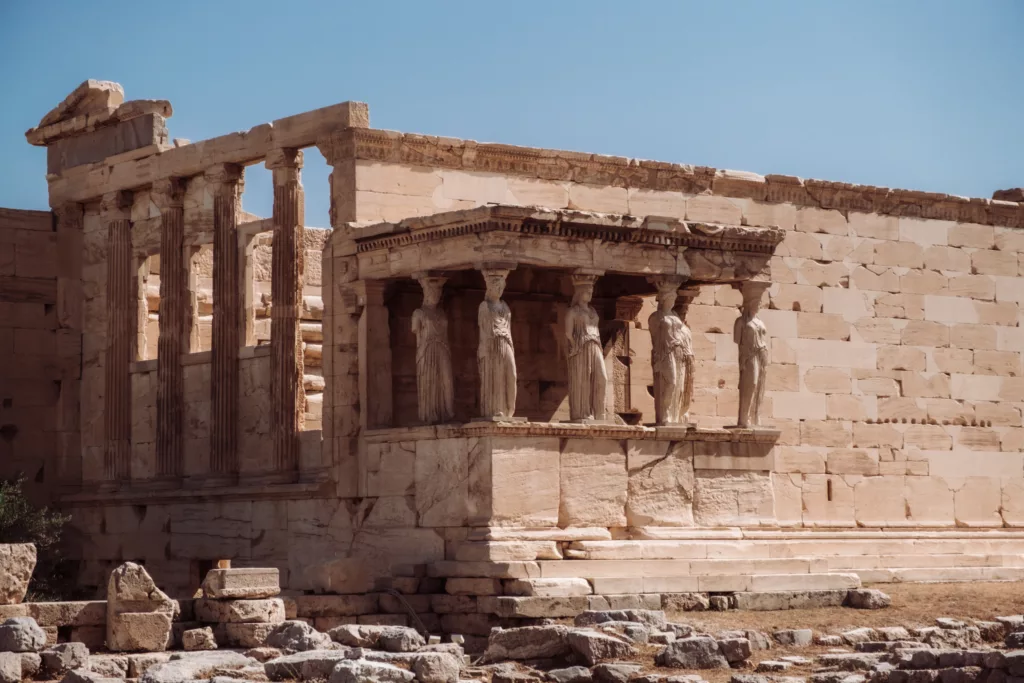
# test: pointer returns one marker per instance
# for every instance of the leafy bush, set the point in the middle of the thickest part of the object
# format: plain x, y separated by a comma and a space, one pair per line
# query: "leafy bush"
23, 522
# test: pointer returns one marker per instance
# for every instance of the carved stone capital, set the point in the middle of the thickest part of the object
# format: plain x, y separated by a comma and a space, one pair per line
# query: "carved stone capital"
285, 157
169, 193
221, 175
752, 290
116, 205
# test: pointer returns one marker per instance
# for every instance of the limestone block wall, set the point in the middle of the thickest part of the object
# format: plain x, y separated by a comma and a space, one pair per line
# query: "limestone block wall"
39, 355
896, 345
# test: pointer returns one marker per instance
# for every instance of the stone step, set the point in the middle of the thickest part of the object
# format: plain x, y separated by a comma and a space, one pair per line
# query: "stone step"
942, 574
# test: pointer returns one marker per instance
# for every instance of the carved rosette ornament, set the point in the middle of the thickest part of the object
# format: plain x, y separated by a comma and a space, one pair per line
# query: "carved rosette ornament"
671, 354
434, 384
751, 336
588, 376
495, 353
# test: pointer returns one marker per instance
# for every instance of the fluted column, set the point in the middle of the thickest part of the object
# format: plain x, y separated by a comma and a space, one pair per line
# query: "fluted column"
168, 194
121, 301
70, 225
287, 397
223, 182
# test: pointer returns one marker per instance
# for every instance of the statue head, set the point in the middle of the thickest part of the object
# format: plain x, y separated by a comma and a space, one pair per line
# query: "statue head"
495, 282
583, 289
432, 289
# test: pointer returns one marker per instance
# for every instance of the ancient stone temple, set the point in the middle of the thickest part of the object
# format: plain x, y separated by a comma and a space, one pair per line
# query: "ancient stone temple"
506, 374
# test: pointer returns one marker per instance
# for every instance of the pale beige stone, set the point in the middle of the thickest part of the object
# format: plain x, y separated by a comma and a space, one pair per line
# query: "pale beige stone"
915, 384
874, 225
710, 209
524, 482
1009, 289
878, 330
655, 203
1012, 501
242, 582
947, 259
998, 313
929, 501
902, 358
549, 588
828, 500
880, 500
902, 254
832, 433
991, 262
924, 232
600, 198
17, 560
982, 287
811, 219
927, 437
970, 336
816, 274
138, 613
825, 353
795, 298
999, 414
802, 459
783, 377
822, 326
1004, 363
875, 435
951, 361
799, 244
837, 247
971, 235
853, 305
924, 282
796, 405
925, 333
788, 498
875, 279
731, 499
909, 306
852, 461
828, 380
660, 484
764, 213
978, 439
898, 408
849, 407
594, 483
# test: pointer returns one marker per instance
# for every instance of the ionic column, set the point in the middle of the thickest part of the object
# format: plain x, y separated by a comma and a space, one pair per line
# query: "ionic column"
287, 397
69, 227
224, 185
168, 194
121, 301
374, 357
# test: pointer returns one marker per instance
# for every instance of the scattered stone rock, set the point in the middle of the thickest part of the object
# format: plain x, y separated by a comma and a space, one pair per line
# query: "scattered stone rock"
858, 635
892, 633
946, 622
655, 618
635, 631
298, 636
306, 665
799, 637
389, 638
697, 652
528, 642
719, 603
17, 560
573, 674
829, 640
263, 654
140, 663
867, 598
735, 650
57, 660
991, 631
31, 664
681, 630
21, 634
1014, 641
109, 666
139, 614
361, 671
191, 666
242, 583
86, 676
10, 667
198, 639
266, 611
429, 667
615, 673
685, 602
770, 666
662, 638
593, 646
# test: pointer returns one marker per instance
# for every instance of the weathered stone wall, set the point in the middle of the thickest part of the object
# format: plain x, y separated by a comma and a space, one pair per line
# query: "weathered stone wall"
896, 352
39, 359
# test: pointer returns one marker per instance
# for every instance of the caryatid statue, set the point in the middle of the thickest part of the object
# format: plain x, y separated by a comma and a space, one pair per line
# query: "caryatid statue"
495, 353
751, 336
435, 389
671, 355
588, 375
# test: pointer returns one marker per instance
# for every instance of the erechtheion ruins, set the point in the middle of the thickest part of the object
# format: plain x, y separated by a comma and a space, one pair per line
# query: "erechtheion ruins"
505, 375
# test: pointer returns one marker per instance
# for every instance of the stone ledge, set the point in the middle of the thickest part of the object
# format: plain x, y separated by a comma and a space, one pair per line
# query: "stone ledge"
567, 430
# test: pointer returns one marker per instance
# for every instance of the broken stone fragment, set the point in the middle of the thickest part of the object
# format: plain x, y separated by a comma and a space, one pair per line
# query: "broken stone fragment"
59, 659
593, 646
10, 667
298, 636
528, 642
139, 614
655, 618
17, 560
800, 637
361, 671
697, 652
198, 639
21, 634
867, 598
240, 611
242, 583
388, 638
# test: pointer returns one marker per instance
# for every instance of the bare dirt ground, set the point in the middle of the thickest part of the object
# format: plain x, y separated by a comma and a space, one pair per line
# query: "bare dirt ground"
913, 604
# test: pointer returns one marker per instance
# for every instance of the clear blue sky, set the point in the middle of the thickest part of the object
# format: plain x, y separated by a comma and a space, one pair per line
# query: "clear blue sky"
916, 94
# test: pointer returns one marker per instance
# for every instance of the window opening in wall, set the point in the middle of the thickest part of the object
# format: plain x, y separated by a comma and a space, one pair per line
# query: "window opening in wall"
316, 190
149, 308
828, 490
254, 226
200, 273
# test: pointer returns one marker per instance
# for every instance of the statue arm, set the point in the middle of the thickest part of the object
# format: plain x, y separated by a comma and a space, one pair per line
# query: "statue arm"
737, 330
417, 319
570, 318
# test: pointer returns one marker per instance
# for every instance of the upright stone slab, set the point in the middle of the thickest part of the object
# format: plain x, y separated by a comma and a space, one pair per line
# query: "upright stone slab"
17, 560
138, 613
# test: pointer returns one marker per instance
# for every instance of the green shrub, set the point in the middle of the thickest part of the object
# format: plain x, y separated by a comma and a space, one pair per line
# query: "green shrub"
23, 522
